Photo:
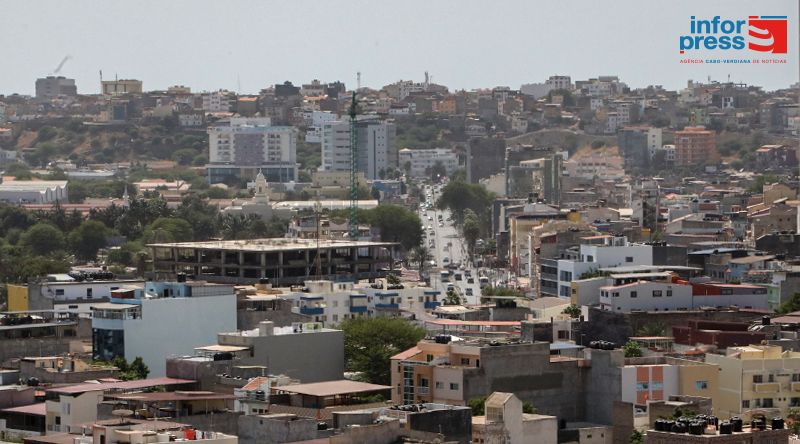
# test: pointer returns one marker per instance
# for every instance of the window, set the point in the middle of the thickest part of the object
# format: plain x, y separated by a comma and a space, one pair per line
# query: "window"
615, 294
439, 385
701, 385
757, 379
795, 377
429, 358
766, 402
628, 258
335, 304
89, 293
464, 361
656, 293
746, 404
634, 294
669, 293
589, 258
770, 378
453, 386
642, 386
794, 402
59, 292
398, 389
335, 318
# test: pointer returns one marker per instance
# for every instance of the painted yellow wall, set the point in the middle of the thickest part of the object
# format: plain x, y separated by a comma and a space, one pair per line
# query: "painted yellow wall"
17, 297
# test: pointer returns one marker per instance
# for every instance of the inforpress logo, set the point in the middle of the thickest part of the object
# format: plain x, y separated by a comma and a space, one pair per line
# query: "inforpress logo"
765, 33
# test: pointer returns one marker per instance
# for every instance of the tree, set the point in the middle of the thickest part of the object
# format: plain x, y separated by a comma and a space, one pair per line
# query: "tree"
478, 406
451, 298
42, 239
396, 223
128, 372
392, 279
636, 437
632, 350
87, 239
420, 255
792, 305
459, 196
184, 156
369, 343
471, 230
170, 229
573, 311
652, 329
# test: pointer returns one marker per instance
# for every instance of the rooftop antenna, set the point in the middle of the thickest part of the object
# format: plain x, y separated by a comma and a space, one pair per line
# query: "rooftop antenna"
238, 84
61, 64
358, 80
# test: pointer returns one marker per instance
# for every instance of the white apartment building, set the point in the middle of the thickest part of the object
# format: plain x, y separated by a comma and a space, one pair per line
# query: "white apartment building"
422, 160
216, 102
163, 319
331, 303
376, 146
538, 90
252, 144
646, 296
614, 252
559, 82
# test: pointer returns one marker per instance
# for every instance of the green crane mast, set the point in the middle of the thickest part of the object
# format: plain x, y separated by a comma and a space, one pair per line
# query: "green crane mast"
353, 223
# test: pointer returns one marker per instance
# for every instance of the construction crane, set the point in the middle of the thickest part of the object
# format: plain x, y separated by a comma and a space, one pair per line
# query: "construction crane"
353, 224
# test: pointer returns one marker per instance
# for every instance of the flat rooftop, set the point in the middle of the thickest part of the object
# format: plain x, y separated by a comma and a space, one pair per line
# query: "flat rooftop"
331, 388
119, 385
271, 244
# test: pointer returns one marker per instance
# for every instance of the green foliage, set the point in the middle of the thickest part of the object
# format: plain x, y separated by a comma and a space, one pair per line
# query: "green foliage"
20, 171
369, 343
168, 229
632, 349
761, 180
43, 239
478, 406
471, 230
128, 372
396, 223
652, 329
420, 255
451, 298
392, 279
573, 311
527, 407
792, 305
636, 437
501, 291
184, 156
89, 237
460, 196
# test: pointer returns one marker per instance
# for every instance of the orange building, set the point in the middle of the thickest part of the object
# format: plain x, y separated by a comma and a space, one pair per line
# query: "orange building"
695, 146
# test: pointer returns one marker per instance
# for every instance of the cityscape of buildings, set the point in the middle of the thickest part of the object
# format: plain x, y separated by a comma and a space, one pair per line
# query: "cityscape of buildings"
565, 261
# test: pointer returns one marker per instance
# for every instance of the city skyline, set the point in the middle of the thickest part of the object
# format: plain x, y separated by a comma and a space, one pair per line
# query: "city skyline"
521, 43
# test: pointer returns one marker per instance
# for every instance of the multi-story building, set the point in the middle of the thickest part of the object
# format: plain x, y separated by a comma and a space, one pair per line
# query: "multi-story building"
421, 161
454, 372
375, 140
217, 101
121, 86
638, 145
282, 261
603, 252
161, 319
658, 292
52, 86
279, 350
330, 303
594, 164
695, 146
248, 145
757, 379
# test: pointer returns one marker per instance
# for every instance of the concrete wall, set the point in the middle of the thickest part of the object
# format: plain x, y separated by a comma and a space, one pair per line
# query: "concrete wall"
525, 370
602, 384
274, 429
175, 326
309, 357
455, 425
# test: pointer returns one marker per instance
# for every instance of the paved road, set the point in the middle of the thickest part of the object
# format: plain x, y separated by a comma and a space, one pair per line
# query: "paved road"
448, 247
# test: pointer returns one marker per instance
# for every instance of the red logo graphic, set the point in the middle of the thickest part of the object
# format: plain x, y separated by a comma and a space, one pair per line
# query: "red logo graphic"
767, 33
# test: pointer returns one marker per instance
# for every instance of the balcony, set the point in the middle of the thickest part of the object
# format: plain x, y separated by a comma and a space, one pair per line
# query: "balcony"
312, 311
766, 387
796, 386
358, 309
387, 306
423, 390
430, 305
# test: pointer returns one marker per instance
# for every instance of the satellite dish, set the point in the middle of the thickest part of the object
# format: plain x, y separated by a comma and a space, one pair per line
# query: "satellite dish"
122, 413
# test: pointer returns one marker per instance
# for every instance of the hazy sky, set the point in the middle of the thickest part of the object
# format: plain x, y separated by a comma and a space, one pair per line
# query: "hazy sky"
463, 44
